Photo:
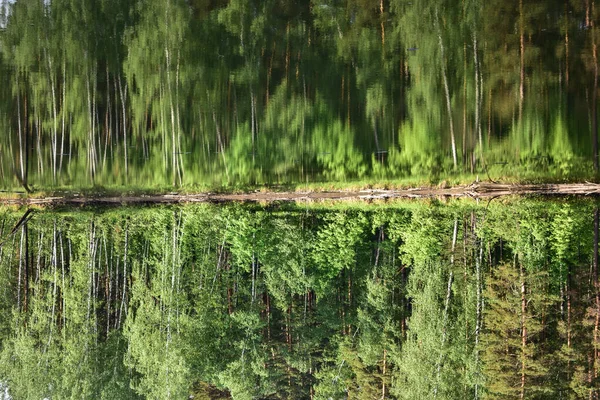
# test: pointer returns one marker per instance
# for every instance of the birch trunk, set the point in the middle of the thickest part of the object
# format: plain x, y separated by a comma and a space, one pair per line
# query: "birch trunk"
523, 328
444, 334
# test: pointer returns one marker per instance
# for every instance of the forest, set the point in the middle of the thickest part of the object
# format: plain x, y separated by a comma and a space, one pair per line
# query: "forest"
495, 298
409, 300
204, 94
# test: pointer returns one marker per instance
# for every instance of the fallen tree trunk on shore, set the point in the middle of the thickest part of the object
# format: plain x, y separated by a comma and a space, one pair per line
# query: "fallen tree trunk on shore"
480, 190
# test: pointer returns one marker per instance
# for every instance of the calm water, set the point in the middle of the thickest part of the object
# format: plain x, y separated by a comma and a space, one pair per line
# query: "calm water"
234, 93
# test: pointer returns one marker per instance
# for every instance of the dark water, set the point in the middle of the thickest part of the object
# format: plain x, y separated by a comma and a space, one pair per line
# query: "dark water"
211, 93
410, 301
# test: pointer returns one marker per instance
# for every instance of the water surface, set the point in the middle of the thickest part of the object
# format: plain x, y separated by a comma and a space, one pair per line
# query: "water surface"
209, 94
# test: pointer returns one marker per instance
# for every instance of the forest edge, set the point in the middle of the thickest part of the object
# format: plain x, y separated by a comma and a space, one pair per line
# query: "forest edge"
478, 190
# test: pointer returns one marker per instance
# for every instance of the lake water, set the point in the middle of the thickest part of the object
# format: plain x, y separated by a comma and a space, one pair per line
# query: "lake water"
217, 94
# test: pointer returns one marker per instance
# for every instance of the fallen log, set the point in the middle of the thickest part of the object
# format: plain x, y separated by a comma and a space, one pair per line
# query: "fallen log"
479, 190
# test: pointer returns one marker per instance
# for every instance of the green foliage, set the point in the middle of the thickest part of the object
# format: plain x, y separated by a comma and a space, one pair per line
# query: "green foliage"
407, 300
336, 247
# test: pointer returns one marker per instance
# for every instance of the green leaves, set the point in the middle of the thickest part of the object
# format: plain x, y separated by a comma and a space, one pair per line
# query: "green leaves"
401, 301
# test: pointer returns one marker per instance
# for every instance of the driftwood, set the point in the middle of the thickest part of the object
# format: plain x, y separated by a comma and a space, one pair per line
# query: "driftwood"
480, 190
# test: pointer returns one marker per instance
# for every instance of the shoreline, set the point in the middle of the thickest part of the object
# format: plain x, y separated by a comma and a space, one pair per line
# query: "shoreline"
479, 190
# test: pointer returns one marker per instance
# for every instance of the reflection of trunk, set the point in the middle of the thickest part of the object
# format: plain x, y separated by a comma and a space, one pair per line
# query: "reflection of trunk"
107, 121
253, 122
220, 141
595, 109
342, 89
123, 95
179, 162
163, 127
348, 98
566, 44
464, 116
175, 173
91, 133
587, 13
172, 111
382, 23
287, 50
522, 61
63, 112
446, 89
269, 73
22, 175
489, 114
477, 95
375, 134
54, 140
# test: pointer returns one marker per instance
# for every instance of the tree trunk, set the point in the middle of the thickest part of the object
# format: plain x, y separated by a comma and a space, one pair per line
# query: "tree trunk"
26, 274
20, 273
444, 334
568, 294
523, 328
597, 296
478, 312
383, 374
